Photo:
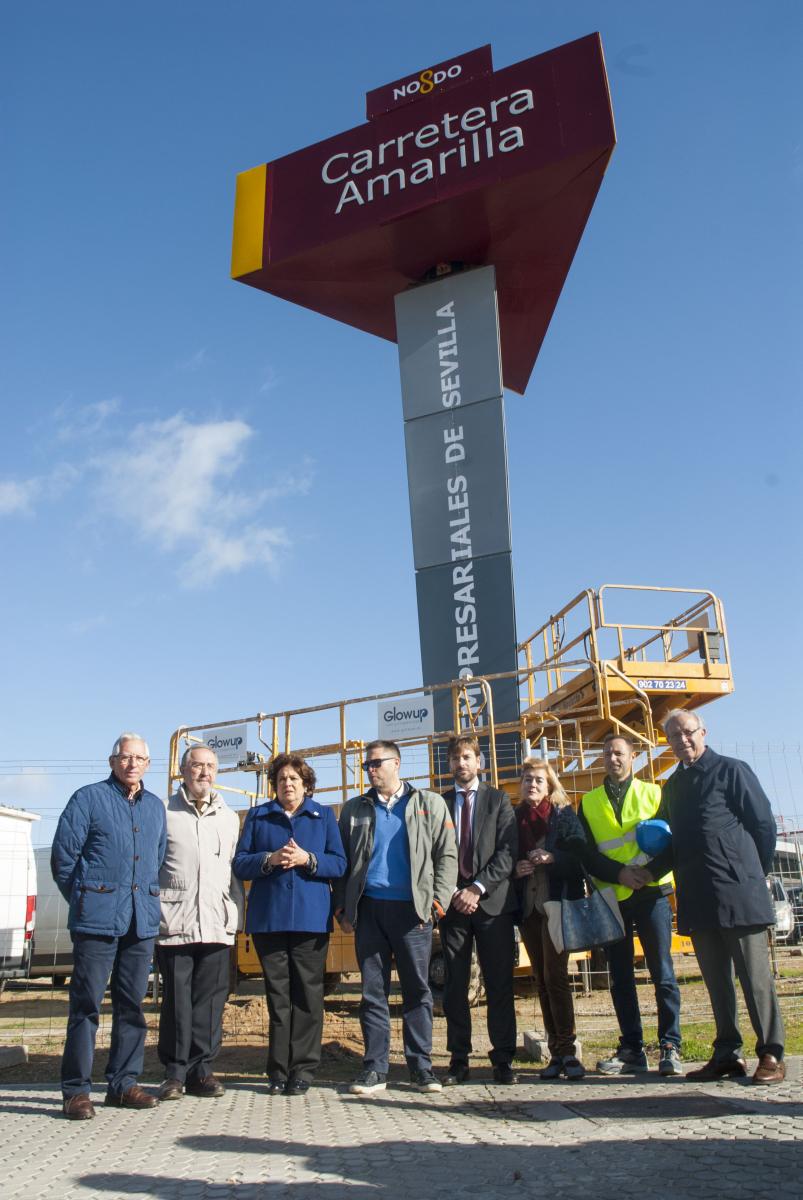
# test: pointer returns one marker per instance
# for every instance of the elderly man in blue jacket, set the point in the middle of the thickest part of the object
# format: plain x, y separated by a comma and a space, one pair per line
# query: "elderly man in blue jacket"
108, 848
723, 841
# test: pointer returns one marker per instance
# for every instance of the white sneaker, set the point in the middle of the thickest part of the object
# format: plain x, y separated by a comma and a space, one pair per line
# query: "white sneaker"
425, 1081
368, 1082
624, 1062
669, 1063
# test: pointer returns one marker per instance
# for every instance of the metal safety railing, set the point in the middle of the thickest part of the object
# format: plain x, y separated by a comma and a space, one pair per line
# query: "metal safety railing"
584, 623
276, 731
504, 743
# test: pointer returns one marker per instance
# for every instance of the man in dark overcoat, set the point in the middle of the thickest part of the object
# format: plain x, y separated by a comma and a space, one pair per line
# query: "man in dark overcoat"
723, 841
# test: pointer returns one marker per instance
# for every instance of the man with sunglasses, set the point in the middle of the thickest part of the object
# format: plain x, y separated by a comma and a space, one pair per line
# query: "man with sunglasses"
107, 852
402, 870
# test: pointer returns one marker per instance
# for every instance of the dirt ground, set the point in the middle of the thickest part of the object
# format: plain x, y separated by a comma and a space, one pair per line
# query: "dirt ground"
34, 1013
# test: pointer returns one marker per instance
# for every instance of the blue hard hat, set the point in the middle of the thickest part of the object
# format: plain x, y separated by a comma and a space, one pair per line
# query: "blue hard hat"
653, 836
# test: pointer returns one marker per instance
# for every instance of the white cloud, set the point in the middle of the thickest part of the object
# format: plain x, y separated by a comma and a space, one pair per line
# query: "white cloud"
20, 496
195, 362
84, 420
17, 496
60, 480
87, 625
270, 380
21, 790
169, 483
291, 483
219, 554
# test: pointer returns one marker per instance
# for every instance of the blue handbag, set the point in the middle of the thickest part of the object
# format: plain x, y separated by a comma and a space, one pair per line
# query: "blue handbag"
592, 920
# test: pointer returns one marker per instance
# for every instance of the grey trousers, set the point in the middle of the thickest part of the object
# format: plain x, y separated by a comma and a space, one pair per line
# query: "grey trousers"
743, 949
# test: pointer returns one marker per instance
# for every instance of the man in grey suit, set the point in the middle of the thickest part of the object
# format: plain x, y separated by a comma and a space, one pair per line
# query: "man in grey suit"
481, 913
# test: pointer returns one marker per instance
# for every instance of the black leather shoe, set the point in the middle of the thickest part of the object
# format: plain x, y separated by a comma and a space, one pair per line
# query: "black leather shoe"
208, 1087
296, 1087
171, 1089
505, 1074
719, 1069
457, 1073
276, 1086
133, 1097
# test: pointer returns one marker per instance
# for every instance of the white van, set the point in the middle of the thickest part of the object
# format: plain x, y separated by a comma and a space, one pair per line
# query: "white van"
17, 892
52, 944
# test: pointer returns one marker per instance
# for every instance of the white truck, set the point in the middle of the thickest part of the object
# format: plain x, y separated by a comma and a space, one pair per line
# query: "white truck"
17, 892
52, 944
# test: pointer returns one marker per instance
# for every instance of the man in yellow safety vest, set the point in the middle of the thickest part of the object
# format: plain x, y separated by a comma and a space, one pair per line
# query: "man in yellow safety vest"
610, 814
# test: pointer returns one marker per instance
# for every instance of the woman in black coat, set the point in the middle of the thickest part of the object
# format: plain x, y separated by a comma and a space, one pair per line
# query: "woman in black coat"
545, 820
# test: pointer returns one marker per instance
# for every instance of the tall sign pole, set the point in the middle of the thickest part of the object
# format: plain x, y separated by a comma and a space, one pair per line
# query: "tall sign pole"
454, 433
494, 173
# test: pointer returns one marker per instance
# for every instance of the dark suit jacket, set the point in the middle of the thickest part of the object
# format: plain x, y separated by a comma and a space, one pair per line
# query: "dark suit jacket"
723, 839
496, 847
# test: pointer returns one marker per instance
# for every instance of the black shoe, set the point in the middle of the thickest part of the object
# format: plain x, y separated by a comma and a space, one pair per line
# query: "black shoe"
208, 1087
296, 1087
553, 1068
505, 1074
457, 1073
276, 1086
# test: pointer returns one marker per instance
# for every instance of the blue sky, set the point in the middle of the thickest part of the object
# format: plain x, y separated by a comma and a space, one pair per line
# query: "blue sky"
203, 503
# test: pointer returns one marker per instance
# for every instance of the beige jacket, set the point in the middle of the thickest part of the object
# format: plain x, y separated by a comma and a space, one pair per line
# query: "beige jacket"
201, 899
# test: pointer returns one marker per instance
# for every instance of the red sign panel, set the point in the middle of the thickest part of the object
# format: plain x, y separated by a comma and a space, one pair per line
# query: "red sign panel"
440, 78
503, 170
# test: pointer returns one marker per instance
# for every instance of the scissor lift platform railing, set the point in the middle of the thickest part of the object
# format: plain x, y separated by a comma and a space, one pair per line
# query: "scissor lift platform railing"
603, 675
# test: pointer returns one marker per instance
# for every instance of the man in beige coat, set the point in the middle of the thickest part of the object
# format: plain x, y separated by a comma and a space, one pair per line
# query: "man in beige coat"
202, 906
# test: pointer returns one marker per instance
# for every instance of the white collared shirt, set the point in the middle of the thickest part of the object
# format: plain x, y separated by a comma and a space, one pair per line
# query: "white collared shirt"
399, 794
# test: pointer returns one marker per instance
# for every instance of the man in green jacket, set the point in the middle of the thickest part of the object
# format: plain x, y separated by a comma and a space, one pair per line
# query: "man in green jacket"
402, 869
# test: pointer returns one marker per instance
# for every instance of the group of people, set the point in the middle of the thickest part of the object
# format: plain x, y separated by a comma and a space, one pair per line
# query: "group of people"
138, 873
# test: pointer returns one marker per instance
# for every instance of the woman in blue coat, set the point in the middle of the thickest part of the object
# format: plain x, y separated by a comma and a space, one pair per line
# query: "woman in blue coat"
290, 849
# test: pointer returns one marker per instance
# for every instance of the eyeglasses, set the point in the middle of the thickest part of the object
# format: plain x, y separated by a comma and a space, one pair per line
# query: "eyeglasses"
137, 759
371, 764
680, 735
194, 766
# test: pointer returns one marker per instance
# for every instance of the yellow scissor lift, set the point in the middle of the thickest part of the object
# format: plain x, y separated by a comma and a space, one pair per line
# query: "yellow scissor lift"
600, 673
618, 658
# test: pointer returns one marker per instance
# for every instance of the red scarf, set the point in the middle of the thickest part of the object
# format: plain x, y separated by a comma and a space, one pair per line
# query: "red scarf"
533, 820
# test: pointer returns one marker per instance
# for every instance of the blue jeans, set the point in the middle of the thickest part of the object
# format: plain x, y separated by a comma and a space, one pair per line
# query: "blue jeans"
387, 930
651, 918
128, 960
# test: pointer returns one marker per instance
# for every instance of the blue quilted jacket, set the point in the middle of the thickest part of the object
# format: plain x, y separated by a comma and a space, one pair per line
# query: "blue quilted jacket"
106, 857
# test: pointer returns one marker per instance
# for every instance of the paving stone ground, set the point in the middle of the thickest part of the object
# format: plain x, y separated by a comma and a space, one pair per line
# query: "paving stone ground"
607, 1138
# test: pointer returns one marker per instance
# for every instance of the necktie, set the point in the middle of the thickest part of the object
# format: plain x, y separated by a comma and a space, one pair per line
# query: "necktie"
465, 855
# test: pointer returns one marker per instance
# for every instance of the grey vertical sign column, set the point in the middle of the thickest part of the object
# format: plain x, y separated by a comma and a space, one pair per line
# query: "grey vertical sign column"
454, 432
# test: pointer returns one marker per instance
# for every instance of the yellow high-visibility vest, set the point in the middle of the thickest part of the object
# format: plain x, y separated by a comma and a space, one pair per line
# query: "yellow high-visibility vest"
618, 840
